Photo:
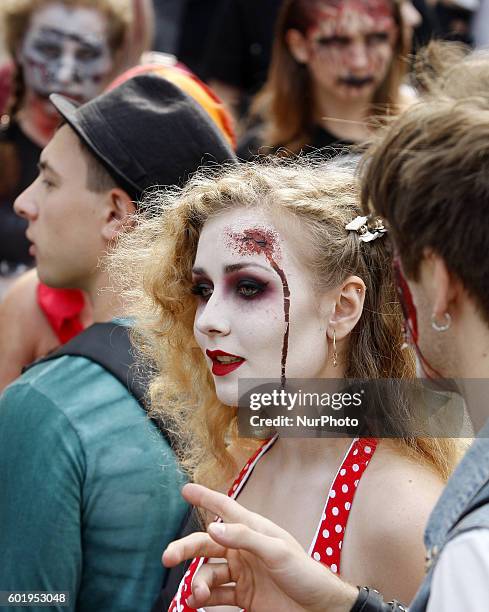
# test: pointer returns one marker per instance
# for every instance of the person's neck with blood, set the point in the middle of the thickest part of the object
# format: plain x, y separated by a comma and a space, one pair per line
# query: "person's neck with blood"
38, 119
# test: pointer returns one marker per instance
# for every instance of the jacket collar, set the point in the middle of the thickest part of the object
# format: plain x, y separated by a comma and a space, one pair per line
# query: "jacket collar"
468, 478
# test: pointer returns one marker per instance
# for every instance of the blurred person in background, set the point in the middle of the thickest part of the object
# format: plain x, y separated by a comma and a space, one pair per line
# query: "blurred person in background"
239, 49
168, 15
70, 47
73, 47
336, 64
195, 35
239, 46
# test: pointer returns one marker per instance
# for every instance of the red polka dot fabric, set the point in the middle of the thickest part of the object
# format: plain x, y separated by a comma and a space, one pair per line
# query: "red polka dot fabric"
327, 543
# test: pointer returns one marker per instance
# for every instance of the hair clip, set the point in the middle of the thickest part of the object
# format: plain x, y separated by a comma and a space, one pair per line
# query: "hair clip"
367, 228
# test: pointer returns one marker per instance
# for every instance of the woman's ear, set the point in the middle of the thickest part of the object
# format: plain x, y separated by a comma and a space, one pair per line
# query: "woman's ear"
348, 307
119, 213
297, 45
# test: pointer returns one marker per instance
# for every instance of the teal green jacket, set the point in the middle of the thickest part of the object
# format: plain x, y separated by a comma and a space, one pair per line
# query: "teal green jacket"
89, 490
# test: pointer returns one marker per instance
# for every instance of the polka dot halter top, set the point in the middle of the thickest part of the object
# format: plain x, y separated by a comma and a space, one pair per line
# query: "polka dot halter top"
327, 542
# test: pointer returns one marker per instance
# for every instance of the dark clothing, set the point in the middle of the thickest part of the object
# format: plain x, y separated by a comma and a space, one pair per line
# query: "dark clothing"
241, 43
428, 28
18, 169
195, 29
168, 23
252, 144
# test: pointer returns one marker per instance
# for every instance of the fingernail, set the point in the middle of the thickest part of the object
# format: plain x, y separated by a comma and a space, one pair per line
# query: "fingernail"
218, 528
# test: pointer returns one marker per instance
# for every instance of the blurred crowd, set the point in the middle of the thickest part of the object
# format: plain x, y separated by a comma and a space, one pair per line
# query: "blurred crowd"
152, 153
278, 100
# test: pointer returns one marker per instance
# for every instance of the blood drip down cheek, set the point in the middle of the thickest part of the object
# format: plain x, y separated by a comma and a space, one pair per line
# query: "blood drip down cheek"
263, 241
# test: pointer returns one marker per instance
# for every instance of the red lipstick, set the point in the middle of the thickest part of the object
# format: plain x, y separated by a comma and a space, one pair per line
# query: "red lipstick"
224, 366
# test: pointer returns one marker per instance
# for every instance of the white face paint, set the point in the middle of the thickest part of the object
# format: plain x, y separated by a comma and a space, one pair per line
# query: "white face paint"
66, 51
248, 281
351, 47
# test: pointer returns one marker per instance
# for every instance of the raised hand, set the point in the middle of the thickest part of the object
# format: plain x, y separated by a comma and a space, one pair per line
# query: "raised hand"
264, 568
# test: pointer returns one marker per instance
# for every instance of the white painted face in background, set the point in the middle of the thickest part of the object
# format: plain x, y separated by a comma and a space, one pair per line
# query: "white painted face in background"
351, 46
66, 51
250, 289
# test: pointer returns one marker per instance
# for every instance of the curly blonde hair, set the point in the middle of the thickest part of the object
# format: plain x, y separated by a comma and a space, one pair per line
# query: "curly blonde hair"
154, 263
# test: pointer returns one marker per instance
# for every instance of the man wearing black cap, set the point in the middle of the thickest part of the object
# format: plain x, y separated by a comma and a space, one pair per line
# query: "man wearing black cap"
90, 489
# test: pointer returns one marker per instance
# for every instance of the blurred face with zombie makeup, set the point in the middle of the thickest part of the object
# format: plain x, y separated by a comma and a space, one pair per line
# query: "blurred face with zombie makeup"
348, 47
66, 50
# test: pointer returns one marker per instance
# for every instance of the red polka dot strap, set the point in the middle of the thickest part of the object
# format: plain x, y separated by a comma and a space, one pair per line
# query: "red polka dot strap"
326, 545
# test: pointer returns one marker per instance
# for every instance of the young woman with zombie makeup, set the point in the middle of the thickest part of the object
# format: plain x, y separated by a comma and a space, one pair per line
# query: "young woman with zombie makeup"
252, 274
336, 64
71, 47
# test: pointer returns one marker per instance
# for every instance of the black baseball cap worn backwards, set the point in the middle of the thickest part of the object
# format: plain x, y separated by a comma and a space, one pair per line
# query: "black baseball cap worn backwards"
146, 132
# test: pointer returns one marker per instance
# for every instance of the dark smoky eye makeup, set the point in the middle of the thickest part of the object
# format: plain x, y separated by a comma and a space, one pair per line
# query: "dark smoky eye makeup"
242, 286
378, 37
202, 290
48, 49
201, 287
88, 53
245, 286
329, 41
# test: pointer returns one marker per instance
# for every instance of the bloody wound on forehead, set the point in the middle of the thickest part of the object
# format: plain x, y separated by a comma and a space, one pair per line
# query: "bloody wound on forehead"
377, 10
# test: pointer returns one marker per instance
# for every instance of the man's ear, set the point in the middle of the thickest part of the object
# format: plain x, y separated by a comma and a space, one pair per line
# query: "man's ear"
297, 45
442, 285
119, 213
348, 307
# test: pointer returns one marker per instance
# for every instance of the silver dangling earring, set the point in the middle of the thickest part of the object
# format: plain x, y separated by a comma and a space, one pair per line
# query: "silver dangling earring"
335, 353
444, 326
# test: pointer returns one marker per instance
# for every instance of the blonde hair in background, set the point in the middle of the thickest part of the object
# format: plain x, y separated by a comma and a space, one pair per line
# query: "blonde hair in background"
153, 264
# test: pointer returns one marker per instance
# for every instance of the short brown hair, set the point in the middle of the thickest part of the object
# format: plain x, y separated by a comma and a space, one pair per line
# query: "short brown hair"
98, 178
428, 176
